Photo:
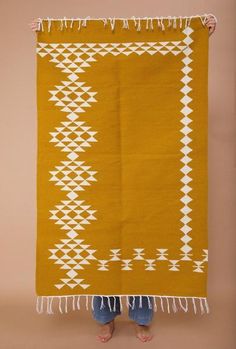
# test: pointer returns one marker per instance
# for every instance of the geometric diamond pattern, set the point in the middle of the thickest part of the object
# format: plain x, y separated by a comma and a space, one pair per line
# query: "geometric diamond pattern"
186, 148
71, 255
73, 136
72, 215
72, 175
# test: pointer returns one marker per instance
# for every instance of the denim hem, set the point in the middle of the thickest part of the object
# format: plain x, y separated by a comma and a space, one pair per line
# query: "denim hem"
140, 320
103, 320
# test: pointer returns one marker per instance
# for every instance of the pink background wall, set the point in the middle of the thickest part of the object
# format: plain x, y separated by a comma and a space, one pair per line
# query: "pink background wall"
20, 325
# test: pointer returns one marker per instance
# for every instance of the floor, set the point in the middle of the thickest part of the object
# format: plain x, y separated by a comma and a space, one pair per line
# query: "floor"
22, 327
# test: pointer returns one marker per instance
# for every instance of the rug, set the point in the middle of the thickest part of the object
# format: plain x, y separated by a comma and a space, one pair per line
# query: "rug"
122, 120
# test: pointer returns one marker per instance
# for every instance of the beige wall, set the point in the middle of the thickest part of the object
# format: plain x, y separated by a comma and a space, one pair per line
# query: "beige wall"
21, 326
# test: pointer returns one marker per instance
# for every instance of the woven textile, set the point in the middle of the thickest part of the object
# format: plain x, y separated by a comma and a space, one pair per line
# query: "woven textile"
122, 160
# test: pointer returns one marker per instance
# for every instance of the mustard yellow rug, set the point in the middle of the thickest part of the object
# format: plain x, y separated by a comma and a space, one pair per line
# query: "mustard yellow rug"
122, 161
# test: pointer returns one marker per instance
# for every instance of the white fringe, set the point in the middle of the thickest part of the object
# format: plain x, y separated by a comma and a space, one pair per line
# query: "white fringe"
199, 305
121, 304
60, 309
114, 306
155, 304
149, 302
102, 303
78, 303
140, 301
168, 305
66, 310
194, 306
133, 304
150, 22
162, 307
92, 305
112, 23
185, 308
109, 302
174, 307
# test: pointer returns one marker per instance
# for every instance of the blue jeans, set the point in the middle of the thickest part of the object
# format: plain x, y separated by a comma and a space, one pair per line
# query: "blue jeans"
141, 315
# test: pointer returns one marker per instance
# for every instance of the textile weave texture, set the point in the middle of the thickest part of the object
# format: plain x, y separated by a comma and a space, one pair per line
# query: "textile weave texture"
122, 159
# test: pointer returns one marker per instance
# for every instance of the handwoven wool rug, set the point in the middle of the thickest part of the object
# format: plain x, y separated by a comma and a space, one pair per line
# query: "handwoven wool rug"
122, 109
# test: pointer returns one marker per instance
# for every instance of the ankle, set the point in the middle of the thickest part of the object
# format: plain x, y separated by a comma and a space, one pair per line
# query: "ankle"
108, 322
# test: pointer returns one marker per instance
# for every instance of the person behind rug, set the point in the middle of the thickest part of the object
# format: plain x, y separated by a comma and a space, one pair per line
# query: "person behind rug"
142, 316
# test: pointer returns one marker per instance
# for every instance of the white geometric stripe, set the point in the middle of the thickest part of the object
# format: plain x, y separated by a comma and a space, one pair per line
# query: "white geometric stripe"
186, 149
77, 51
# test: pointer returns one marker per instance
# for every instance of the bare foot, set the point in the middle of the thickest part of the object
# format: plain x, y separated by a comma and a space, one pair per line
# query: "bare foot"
106, 331
143, 332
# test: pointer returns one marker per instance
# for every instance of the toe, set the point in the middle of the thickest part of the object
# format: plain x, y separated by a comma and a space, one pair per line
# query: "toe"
103, 338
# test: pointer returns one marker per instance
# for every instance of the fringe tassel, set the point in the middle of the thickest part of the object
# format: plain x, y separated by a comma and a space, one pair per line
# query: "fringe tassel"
162, 24
121, 304
174, 307
40, 24
185, 308
92, 303
128, 305
114, 306
49, 305
162, 307
133, 305
168, 305
155, 304
175, 23
109, 302
66, 310
65, 22
206, 305
104, 21
139, 25
78, 303
125, 24
102, 303
112, 23
149, 303
44, 304
140, 301
201, 306
84, 21
49, 24
172, 22
194, 306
